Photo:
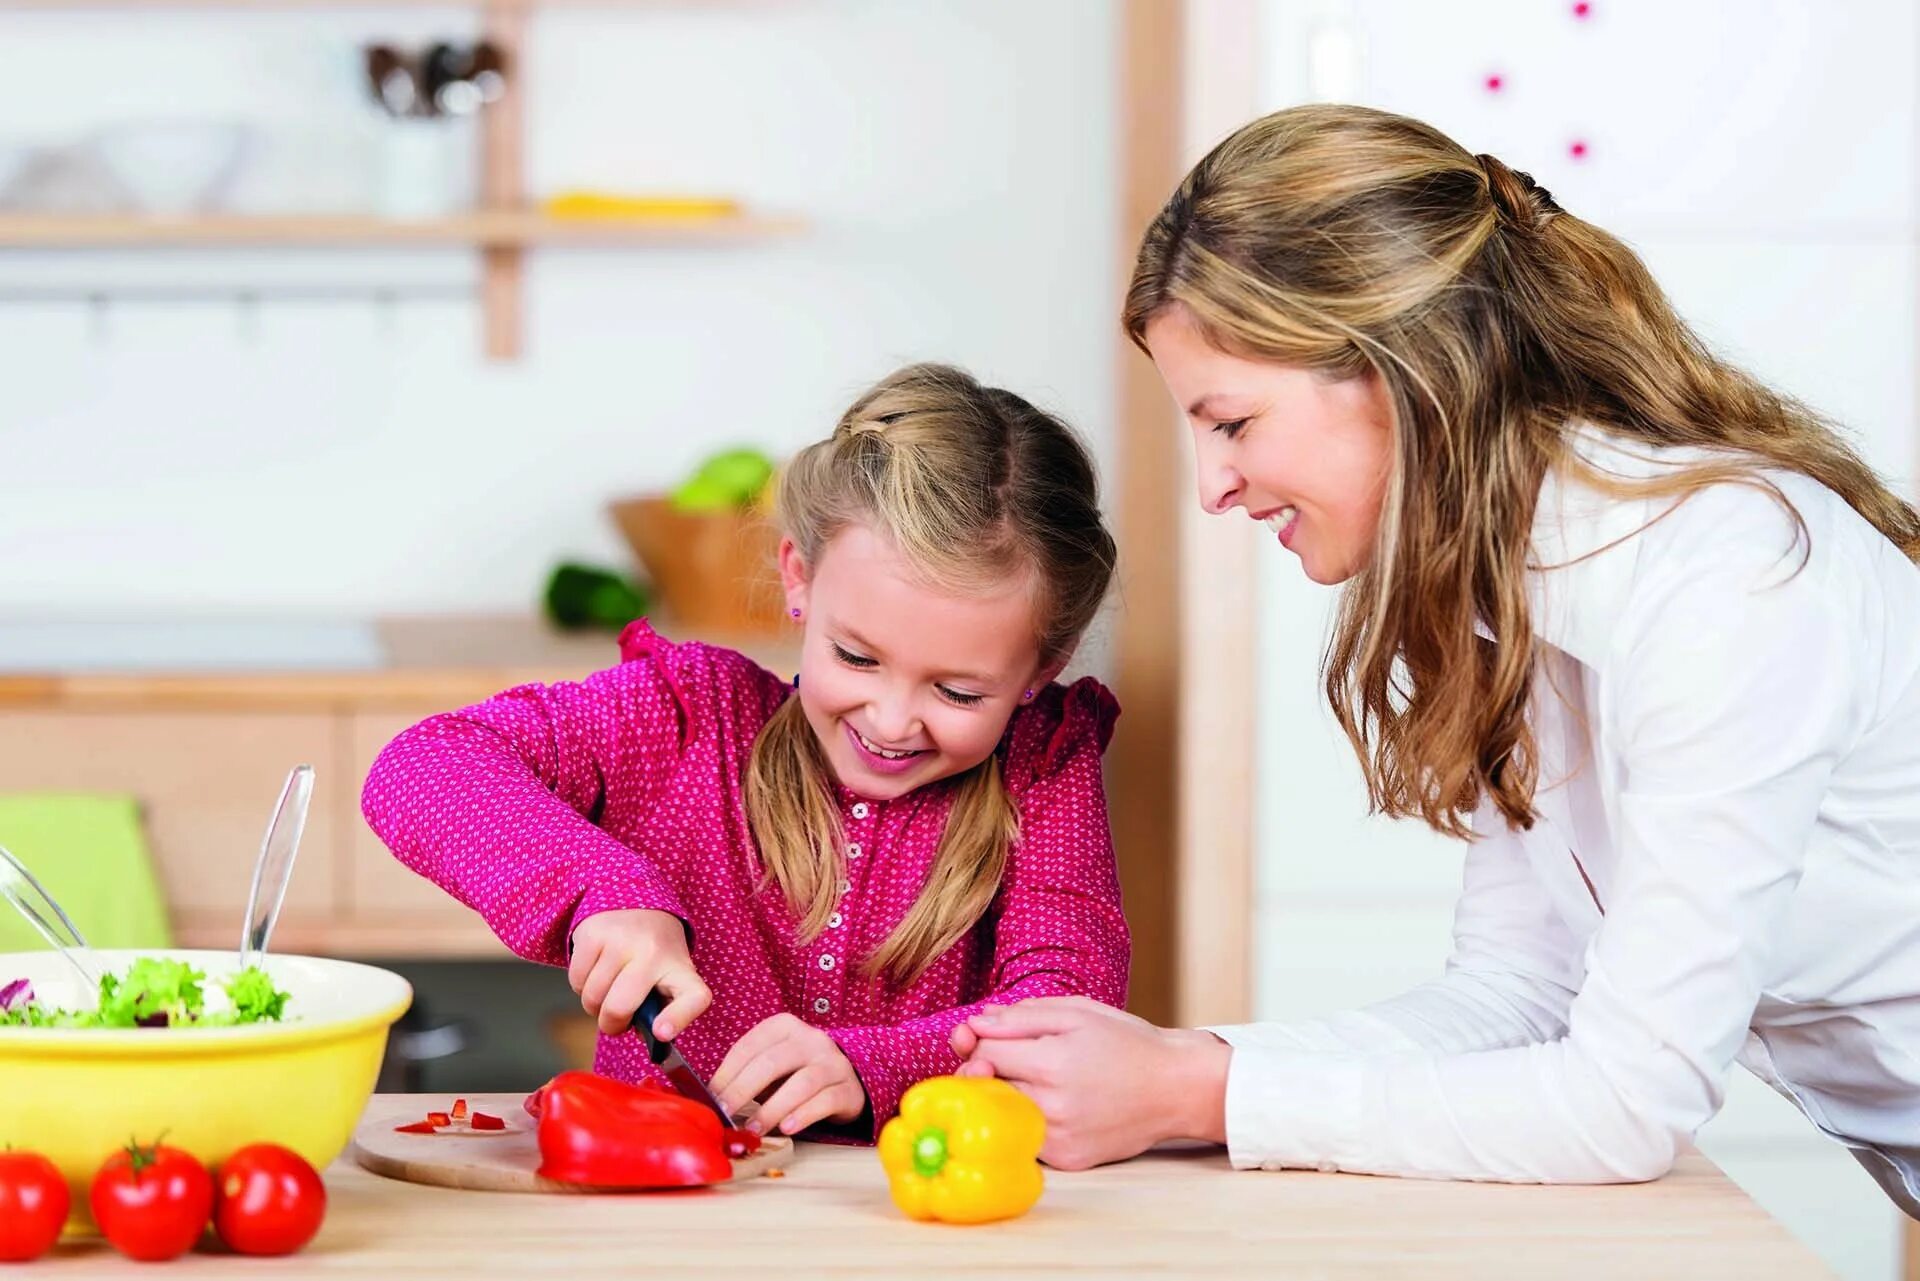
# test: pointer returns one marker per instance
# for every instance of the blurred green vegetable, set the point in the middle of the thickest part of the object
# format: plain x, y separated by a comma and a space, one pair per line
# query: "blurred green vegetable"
588, 596
730, 478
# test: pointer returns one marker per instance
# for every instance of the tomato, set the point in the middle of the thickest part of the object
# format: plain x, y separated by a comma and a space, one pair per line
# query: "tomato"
268, 1200
33, 1205
151, 1202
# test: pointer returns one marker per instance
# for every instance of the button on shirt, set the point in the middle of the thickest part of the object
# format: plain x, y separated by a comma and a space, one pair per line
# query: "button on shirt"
1731, 752
549, 803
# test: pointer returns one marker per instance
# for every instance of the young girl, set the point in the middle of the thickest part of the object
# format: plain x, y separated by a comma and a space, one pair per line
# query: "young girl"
1644, 632
822, 877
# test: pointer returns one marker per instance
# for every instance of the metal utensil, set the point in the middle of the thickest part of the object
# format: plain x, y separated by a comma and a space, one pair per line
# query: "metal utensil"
274, 867
685, 1080
32, 901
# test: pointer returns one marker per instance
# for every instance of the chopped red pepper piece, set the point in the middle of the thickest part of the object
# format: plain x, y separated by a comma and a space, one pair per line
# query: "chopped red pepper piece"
741, 1143
417, 1127
531, 1104
482, 1121
439, 1119
459, 1109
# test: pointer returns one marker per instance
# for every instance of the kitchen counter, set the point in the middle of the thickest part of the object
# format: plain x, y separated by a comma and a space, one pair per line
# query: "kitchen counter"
206, 748
1171, 1213
439, 661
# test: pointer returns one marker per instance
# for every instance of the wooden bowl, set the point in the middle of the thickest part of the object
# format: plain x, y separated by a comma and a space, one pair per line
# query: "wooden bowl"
714, 571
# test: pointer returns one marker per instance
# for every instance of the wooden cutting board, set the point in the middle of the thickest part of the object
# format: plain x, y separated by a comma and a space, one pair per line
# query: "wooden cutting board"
489, 1160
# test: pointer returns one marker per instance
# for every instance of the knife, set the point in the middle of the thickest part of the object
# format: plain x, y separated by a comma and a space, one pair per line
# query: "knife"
685, 1080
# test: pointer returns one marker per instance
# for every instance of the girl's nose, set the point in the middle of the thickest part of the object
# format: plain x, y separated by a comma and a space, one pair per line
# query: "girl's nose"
893, 718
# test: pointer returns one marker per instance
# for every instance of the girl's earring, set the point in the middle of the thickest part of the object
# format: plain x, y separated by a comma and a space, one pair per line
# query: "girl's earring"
795, 611
1027, 697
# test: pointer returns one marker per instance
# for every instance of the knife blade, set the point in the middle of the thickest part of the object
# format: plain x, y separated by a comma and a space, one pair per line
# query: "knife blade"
686, 1082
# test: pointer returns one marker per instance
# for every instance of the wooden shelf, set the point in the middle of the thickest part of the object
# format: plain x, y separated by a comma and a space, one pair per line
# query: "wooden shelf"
502, 231
284, 6
488, 229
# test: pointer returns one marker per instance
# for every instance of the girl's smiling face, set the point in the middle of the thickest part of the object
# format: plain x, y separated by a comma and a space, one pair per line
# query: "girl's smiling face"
1307, 454
904, 684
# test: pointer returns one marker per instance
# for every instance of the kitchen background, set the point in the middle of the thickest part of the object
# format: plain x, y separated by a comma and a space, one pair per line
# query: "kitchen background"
292, 437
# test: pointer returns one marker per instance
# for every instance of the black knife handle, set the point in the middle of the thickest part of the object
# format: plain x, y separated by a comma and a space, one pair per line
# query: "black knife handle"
651, 1009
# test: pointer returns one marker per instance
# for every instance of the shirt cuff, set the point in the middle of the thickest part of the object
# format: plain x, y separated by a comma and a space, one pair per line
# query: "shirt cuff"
1292, 1108
625, 897
890, 1060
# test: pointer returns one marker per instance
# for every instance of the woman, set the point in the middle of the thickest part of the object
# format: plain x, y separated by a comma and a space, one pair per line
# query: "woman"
1641, 632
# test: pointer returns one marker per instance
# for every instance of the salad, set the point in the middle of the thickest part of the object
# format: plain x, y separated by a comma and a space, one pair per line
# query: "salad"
154, 992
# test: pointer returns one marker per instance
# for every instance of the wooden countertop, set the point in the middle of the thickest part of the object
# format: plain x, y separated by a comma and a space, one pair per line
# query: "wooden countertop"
432, 662
1170, 1213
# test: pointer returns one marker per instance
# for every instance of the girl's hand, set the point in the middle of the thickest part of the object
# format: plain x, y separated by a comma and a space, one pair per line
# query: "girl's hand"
1111, 1085
619, 957
819, 1084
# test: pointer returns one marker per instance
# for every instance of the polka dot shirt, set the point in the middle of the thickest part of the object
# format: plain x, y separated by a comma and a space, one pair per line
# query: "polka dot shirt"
548, 803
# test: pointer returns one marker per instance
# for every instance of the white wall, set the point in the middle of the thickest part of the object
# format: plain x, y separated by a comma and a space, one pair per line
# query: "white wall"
1761, 157
955, 157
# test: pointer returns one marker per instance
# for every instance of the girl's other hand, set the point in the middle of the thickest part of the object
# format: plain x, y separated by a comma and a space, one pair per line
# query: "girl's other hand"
619, 957
817, 1081
1111, 1085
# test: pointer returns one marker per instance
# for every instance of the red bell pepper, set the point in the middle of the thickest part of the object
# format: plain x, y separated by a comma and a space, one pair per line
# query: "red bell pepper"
606, 1133
487, 1121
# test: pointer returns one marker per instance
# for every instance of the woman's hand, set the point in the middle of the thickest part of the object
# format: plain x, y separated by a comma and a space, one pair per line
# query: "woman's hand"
817, 1081
619, 957
1111, 1085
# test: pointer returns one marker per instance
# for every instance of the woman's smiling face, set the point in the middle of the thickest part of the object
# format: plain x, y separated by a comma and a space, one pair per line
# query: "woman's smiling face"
1307, 454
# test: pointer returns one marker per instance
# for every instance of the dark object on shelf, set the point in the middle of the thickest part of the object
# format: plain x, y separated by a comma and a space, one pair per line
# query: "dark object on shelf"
439, 79
588, 596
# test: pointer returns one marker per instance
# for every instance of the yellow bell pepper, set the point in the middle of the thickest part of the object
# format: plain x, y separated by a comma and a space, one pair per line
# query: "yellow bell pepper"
964, 1150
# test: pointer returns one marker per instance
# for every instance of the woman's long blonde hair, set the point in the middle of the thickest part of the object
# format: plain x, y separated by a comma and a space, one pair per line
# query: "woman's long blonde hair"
1346, 239
975, 488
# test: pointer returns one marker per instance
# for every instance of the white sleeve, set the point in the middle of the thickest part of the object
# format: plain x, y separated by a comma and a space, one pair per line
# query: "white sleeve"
1732, 701
1509, 980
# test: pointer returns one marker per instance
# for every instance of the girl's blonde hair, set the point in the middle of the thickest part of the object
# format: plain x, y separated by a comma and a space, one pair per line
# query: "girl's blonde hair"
1346, 239
975, 488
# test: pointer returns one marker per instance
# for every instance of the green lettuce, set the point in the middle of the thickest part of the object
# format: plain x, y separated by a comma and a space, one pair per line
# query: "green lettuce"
157, 992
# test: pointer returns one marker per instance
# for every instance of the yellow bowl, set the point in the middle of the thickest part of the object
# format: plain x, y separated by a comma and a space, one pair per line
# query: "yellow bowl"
79, 1094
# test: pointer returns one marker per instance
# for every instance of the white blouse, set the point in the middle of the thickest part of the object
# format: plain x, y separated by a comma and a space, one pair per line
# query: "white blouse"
1725, 867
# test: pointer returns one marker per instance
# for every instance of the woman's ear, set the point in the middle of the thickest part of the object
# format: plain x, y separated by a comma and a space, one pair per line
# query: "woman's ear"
795, 576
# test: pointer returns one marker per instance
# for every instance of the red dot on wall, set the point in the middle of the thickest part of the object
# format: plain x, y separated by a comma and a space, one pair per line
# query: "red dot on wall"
1583, 10
1577, 149
1495, 83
